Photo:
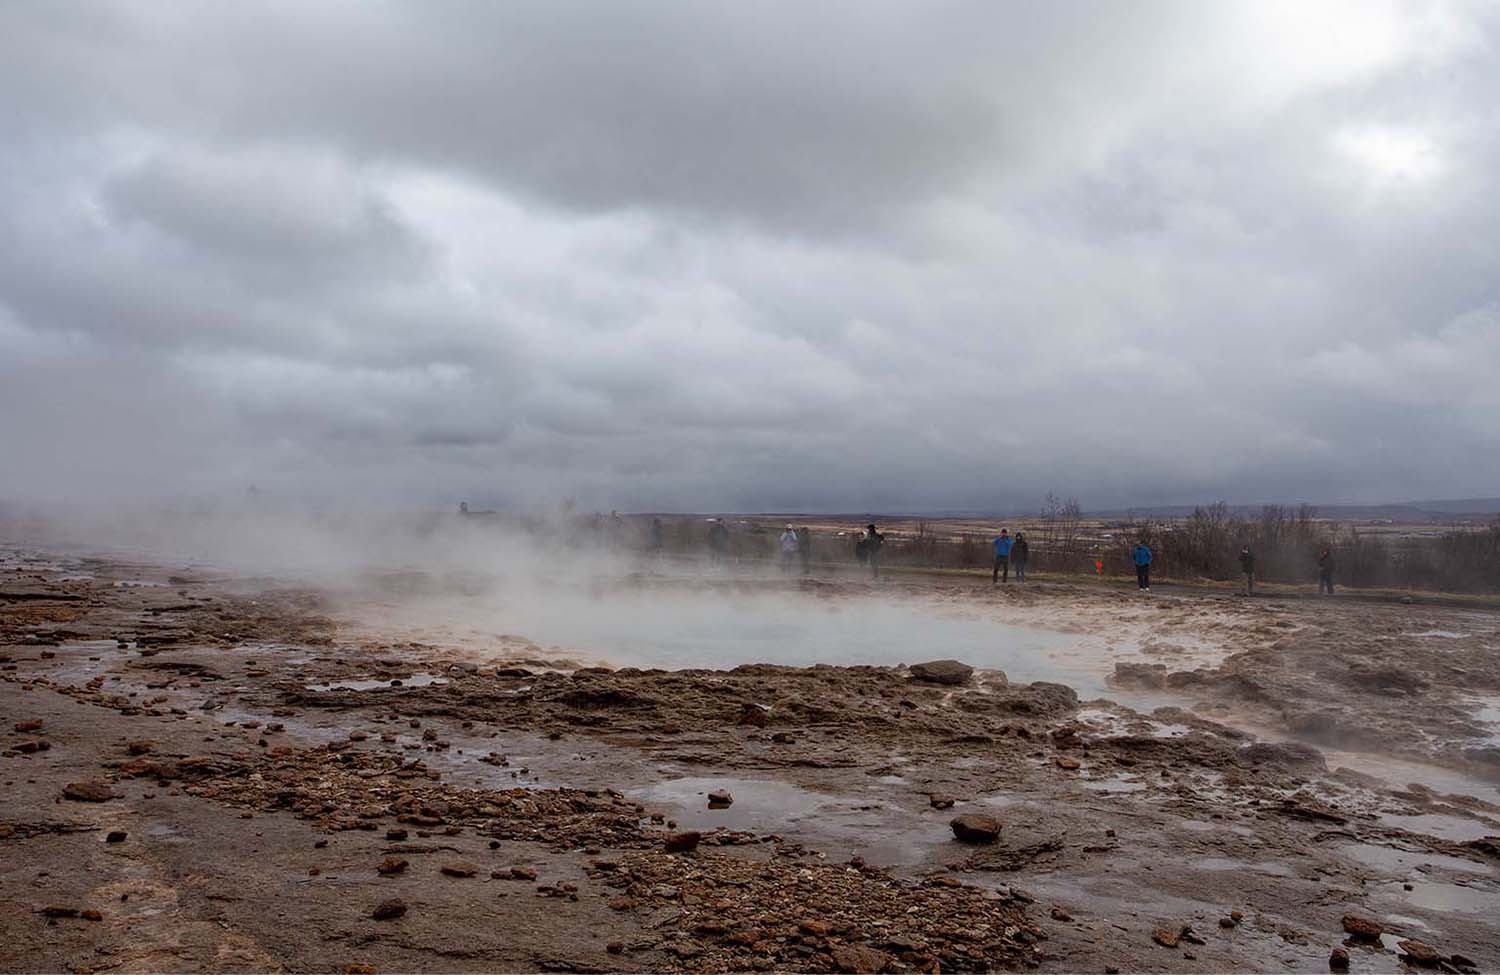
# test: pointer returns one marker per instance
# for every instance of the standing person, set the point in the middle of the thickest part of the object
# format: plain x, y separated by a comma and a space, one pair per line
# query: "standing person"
1020, 553
1325, 572
874, 541
1141, 556
1247, 566
804, 548
1003, 545
788, 548
718, 541
656, 537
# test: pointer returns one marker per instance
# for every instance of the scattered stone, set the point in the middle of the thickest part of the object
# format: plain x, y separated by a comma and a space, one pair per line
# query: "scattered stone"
818, 929
623, 903
32, 747
26, 727
860, 959
685, 842
359, 968
939, 801
140, 746
1362, 928
1060, 914
115, 836
720, 799
1419, 952
522, 873
949, 672
754, 715
1165, 937
389, 910
1067, 762
89, 914
391, 866
976, 828
87, 792
459, 869
58, 910
1338, 960
615, 947
396, 835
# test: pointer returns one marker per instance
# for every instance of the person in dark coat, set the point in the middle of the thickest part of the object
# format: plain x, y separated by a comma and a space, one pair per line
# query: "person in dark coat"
1141, 556
1020, 553
874, 542
1325, 572
1247, 566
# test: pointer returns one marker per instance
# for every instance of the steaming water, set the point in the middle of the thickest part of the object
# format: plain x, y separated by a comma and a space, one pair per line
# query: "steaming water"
714, 631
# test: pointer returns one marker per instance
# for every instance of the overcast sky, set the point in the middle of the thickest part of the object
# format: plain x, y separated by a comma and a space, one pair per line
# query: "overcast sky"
750, 256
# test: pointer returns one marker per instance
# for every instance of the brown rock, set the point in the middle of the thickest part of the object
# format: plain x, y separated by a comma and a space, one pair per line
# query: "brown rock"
719, 799
1060, 914
817, 929
860, 959
389, 910
140, 746
1165, 937
685, 842
58, 910
949, 672
941, 801
359, 968
976, 828
1419, 952
391, 866
396, 835
623, 903
1338, 960
25, 727
1067, 762
459, 869
1362, 928
87, 792
522, 873
115, 836
89, 914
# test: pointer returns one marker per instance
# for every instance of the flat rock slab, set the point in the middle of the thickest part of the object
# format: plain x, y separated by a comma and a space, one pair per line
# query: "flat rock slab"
950, 672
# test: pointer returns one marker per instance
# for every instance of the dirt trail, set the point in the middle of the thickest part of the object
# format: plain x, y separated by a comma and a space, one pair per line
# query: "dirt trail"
277, 763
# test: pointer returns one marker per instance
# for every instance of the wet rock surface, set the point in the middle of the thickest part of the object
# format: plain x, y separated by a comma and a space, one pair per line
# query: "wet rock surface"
836, 854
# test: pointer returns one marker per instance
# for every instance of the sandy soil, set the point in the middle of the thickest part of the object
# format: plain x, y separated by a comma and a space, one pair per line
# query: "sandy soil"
204, 772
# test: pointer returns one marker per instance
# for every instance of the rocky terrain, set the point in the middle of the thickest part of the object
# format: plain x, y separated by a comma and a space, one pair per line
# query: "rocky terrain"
204, 772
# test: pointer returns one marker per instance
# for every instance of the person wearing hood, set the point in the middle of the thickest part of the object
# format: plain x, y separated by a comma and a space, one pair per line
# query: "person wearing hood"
1247, 566
789, 548
718, 540
1020, 553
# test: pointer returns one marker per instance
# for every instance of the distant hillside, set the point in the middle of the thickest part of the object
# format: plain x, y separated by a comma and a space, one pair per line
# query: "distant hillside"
1404, 511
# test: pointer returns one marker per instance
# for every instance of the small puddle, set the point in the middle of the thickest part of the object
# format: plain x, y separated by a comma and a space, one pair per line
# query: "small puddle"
1456, 828
373, 683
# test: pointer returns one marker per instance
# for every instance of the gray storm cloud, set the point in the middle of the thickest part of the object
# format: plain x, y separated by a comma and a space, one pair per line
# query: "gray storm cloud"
750, 256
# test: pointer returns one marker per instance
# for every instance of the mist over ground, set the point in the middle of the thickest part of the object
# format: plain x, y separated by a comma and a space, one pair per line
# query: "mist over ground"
678, 256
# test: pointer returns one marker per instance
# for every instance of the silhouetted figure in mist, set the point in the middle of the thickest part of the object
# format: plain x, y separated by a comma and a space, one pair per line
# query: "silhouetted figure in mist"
788, 547
873, 542
463, 507
1247, 566
1141, 556
655, 538
804, 548
1020, 554
1325, 572
1003, 544
718, 541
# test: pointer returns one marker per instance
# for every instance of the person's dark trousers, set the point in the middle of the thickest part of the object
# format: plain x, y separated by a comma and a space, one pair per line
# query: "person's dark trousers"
1021, 571
1002, 564
1249, 581
1325, 583
1143, 576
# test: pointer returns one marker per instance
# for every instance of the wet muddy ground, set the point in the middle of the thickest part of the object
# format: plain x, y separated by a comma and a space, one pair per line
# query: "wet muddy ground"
425, 773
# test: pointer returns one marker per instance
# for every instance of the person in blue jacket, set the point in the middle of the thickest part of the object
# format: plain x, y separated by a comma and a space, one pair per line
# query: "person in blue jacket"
1141, 556
1003, 544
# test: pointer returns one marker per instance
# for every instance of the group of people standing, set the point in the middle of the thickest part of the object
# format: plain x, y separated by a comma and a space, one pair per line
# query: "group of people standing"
1325, 570
1010, 553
